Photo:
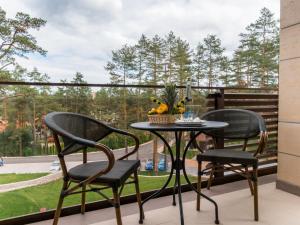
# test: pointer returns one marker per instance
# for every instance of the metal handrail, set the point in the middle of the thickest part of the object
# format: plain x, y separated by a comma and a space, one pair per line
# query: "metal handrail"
25, 83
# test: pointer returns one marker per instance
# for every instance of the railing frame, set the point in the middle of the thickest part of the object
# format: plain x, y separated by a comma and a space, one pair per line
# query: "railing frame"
125, 85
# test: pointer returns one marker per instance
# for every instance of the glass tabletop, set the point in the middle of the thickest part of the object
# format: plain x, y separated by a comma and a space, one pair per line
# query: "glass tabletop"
207, 125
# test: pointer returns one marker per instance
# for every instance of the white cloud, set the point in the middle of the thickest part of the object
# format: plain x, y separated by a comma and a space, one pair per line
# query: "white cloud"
80, 34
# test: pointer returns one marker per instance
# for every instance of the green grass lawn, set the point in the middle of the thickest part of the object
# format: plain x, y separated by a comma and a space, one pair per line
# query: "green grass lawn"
30, 200
12, 177
152, 173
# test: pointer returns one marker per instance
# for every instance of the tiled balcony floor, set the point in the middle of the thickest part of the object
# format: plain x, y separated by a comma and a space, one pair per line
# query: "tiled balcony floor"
236, 208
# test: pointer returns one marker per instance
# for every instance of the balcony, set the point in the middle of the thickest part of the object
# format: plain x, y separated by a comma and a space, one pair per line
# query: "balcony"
276, 208
263, 101
27, 147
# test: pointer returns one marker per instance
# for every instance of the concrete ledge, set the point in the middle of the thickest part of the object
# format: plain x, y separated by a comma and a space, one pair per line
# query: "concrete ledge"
288, 187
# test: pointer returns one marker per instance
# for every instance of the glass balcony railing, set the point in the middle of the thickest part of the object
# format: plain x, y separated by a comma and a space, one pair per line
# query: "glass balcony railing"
27, 146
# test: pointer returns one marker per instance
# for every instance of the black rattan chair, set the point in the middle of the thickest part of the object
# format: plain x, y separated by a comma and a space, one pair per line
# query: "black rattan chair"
243, 125
79, 132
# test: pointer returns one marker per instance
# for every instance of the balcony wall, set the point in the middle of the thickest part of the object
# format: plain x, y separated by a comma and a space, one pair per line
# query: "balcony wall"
289, 101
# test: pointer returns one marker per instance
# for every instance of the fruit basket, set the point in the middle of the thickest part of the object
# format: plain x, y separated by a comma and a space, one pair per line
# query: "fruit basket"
168, 109
162, 118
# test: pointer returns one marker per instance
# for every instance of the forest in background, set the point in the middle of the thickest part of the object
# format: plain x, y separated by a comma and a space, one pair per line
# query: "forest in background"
153, 60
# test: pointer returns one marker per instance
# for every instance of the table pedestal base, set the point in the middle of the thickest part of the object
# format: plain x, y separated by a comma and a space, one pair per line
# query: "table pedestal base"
178, 164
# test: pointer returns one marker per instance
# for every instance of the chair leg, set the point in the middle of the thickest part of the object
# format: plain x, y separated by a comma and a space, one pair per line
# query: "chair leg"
199, 185
83, 194
211, 177
255, 193
60, 203
117, 206
138, 197
248, 175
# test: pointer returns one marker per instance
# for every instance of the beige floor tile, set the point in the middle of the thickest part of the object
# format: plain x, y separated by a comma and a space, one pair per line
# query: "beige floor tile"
236, 208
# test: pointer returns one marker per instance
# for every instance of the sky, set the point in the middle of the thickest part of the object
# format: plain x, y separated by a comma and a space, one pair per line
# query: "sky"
80, 34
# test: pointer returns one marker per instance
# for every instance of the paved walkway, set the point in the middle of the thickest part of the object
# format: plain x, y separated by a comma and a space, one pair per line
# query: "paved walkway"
30, 183
145, 152
42, 164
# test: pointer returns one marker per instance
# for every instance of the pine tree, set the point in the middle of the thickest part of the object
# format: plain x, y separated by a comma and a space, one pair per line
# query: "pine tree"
259, 51
141, 54
266, 32
169, 53
141, 68
15, 37
122, 65
182, 59
213, 54
198, 65
36, 76
121, 68
155, 59
225, 72
80, 96
237, 79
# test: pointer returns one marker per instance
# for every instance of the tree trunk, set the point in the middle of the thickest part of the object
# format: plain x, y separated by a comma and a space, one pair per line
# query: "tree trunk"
34, 130
20, 146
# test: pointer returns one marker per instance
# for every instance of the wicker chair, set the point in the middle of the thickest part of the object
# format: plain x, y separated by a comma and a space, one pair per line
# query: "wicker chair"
243, 125
79, 132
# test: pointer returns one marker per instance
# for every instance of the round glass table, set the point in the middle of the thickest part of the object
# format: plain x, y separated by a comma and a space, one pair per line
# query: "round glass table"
178, 163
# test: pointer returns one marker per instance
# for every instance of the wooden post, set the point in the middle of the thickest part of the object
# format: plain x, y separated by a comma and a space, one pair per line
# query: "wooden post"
219, 104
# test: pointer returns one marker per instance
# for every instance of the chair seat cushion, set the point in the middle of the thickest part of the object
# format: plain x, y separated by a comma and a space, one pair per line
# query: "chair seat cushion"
224, 156
120, 172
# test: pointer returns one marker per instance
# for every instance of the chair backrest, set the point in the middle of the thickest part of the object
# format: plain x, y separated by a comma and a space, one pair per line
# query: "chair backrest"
71, 125
243, 124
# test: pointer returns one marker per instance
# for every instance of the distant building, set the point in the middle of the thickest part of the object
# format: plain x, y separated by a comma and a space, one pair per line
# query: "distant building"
3, 125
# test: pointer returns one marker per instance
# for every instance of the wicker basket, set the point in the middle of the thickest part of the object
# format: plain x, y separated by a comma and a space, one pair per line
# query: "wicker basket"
162, 118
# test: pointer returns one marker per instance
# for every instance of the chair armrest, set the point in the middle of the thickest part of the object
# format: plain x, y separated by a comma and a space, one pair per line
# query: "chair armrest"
111, 161
137, 142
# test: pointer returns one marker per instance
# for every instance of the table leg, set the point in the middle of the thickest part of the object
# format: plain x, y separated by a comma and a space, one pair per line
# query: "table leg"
178, 168
174, 191
192, 186
171, 172
177, 165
